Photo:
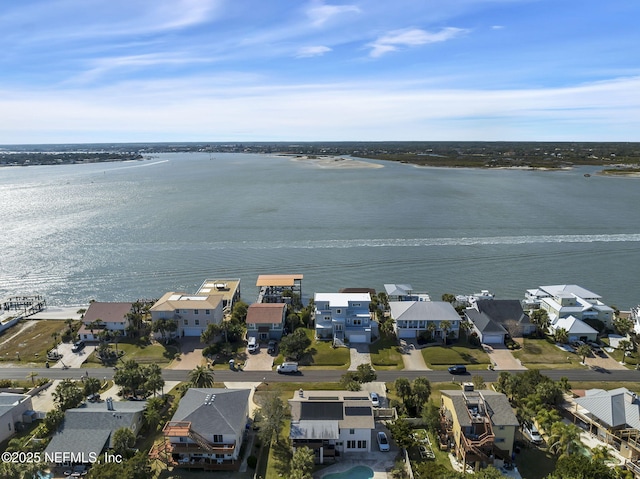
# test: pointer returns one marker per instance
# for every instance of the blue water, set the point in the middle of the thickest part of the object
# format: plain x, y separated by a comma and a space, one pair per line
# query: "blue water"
122, 231
358, 472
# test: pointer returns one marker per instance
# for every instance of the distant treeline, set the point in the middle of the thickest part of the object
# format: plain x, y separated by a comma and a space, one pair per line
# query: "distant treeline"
438, 153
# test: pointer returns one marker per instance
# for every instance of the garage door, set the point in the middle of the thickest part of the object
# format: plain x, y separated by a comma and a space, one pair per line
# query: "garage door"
493, 339
407, 333
358, 338
192, 331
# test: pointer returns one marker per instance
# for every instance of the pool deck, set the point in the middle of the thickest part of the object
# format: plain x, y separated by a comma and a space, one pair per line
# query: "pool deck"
379, 462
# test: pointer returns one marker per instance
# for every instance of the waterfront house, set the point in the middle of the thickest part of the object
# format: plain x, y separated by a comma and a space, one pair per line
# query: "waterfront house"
102, 316
413, 317
576, 329
564, 300
279, 288
207, 430
15, 409
87, 431
480, 425
228, 288
613, 417
504, 314
192, 312
331, 422
344, 316
266, 320
404, 292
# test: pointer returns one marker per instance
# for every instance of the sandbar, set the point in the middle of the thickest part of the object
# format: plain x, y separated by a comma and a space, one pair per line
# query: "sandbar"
334, 162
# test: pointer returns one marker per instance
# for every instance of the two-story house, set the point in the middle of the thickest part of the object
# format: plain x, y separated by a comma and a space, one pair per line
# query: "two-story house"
331, 421
413, 317
266, 320
104, 317
481, 425
14, 409
192, 312
207, 430
340, 316
493, 319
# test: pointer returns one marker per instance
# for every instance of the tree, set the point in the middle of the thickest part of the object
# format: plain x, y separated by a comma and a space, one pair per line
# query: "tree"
90, 386
580, 467
540, 318
366, 374
302, 463
272, 415
431, 416
130, 378
164, 326
293, 321
623, 325
421, 392
465, 327
431, 329
201, 377
33, 376
624, 345
583, 351
561, 335
294, 345
478, 382
445, 327
449, 298
123, 440
350, 382
116, 334
209, 335
403, 388
154, 381
67, 395
401, 431
564, 439
239, 312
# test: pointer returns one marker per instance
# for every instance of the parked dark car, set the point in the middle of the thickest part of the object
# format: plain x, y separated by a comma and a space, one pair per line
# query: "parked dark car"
273, 347
458, 369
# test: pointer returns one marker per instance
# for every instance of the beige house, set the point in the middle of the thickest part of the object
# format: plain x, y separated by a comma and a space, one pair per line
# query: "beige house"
480, 425
192, 312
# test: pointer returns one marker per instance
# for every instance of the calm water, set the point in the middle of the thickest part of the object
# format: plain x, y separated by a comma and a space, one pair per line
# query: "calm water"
121, 231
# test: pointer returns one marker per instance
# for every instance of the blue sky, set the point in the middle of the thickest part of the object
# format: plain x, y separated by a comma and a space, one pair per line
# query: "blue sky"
288, 70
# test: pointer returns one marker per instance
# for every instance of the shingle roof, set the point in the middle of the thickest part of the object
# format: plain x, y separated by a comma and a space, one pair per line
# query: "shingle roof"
265, 313
483, 322
107, 312
223, 413
501, 413
503, 310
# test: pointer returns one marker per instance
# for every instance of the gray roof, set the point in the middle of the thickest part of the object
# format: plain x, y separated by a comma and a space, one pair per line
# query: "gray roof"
88, 429
318, 429
503, 310
618, 407
483, 322
500, 410
579, 291
10, 400
398, 289
423, 311
214, 410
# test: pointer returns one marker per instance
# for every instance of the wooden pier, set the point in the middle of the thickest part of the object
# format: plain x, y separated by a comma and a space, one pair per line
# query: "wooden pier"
25, 305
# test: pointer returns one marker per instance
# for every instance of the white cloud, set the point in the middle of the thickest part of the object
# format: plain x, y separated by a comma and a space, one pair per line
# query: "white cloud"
319, 13
497, 27
411, 37
312, 51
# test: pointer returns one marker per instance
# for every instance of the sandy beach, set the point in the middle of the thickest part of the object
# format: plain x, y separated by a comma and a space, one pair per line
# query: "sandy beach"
335, 162
56, 312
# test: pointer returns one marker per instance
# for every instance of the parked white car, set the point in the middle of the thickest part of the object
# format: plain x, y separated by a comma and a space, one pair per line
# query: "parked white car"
531, 433
383, 441
375, 399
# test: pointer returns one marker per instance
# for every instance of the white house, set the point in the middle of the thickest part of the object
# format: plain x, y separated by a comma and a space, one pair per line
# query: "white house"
104, 316
340, 316
564, 300
14, 409
331, 421
413, 317
577, 330
192, 312
404, 292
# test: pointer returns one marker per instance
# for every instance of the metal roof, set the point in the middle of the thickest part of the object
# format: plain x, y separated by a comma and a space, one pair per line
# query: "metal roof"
278, 279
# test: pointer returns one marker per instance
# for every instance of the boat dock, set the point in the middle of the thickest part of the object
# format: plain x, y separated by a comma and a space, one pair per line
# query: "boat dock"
24, 305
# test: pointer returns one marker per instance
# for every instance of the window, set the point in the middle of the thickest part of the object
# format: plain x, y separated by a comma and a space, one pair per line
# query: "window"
352, 431
186, 322
362, 444
499, 439
197, 322
356, 304
177, 311
351, 444
338, 311
327, 318
195, 311
207, 311
357, 322
217, 438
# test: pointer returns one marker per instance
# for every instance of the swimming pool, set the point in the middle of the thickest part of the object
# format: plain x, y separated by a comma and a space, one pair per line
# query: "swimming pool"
358, 472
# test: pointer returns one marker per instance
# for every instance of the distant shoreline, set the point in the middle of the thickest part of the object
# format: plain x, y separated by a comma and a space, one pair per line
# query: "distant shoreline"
333, 162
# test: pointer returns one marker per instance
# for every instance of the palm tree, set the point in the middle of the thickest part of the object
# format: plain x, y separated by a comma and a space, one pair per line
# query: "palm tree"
624, 345
115, 335
32, 375
201, 377
445, 327
561, 335
564, 439
431, 327
466, 326
583, 351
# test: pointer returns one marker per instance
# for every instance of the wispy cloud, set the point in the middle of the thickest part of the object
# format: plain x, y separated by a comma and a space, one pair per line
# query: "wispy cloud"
320, 13
411, 37
312, 51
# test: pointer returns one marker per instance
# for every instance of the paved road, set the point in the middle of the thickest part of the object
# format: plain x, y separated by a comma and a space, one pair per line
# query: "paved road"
327, 376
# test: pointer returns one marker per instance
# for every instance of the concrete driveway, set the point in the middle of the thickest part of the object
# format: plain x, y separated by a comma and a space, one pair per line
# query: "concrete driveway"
412, 355
259, 361
190, 354
71, 359
359, 354
502, 358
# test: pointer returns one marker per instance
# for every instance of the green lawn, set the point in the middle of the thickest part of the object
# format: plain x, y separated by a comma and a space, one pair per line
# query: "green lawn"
144, 354
385, 353
323, 355
32, 343
440, 357
541, 354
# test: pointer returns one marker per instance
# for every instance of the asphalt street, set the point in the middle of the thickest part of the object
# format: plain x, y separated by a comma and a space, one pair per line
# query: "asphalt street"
325, 375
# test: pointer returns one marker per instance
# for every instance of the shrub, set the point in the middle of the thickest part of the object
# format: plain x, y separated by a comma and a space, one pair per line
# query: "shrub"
252, 461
